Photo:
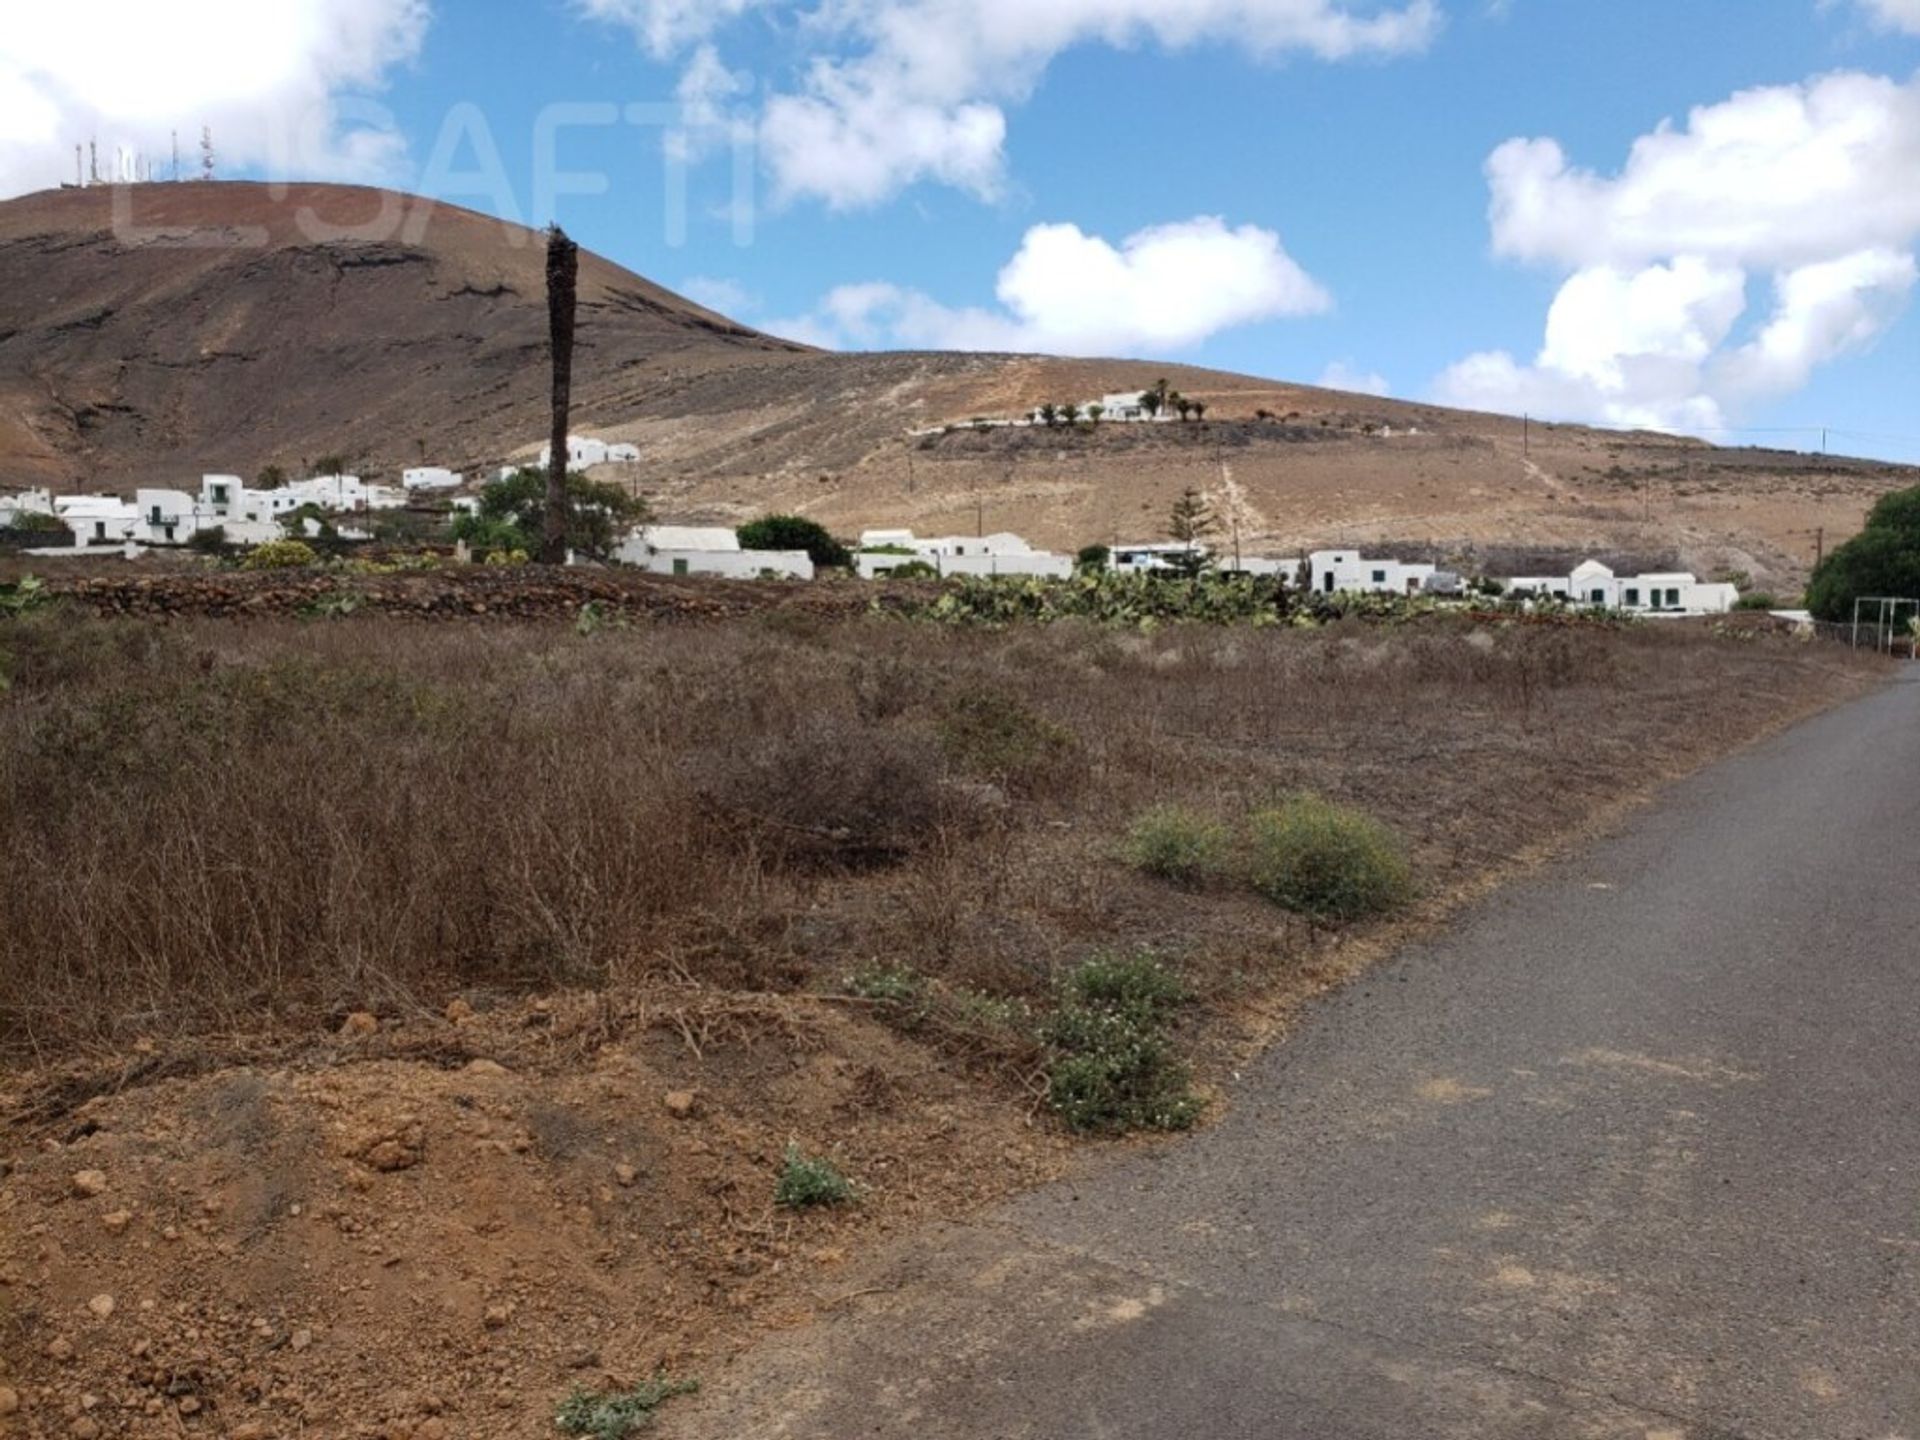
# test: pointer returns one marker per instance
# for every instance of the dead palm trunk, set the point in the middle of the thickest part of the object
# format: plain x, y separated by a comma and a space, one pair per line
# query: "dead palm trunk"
563, 274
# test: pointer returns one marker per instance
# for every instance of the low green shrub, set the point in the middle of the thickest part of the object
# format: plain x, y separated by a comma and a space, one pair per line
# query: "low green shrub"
1325, 860
281, 555
1113, 1067
1177, 845
613, 1415
808, 1181
997, 736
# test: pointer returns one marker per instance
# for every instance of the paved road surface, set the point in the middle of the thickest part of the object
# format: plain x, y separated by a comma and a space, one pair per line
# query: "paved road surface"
1634, 1151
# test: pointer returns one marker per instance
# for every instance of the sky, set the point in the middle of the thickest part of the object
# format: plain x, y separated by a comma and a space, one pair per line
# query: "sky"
1697, 216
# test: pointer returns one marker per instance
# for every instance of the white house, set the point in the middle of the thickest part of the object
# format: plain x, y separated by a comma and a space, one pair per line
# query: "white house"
431, 477
884, 551
1663, 593
708, 550
584, 452
1155, 555
1332, 571
16, 503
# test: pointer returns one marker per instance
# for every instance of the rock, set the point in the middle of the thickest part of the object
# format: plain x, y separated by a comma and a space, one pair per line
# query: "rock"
681, 1102
359, 1025
626, 1175
388, 1156
60, 1349
117, 1221
85, 1428
485, 1067
101, 1306
189, 1405
250, 1430
9, 1400
430, 1430
301, 1340
497, 1317
458, 1012
88, 1183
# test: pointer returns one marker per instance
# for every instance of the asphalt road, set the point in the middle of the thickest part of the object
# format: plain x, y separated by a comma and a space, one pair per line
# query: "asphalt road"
1632, 1151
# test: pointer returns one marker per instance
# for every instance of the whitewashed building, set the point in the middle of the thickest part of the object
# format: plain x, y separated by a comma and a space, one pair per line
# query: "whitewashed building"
1334, 571
584, 452
431, 477
15, 503
1595, 585
708, 550
884, 551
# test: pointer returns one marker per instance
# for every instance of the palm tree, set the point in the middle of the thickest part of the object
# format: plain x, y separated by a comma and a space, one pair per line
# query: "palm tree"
1094, 412
1183, 405
1199, 409
1151, 401
1048, 415
563, 276
1068, 413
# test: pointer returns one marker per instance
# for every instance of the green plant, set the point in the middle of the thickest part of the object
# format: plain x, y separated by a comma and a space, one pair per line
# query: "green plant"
210, 541
1757, 600
36, 522
1092, 557
794, 532
808, 1181
1317, 858
1112, 1065
281, 555
898, 985
25, 594
1882, 560
1178, 845
1190, 523
613, 1415
271, 477
512, 515
911, 570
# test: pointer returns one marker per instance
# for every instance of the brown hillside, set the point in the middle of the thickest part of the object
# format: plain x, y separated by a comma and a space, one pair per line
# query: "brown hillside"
241, 328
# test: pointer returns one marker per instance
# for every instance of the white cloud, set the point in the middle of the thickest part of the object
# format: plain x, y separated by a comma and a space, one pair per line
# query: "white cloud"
1815, 186
727, 297
1065, 292
268, 80
898, 91
1342, 375
1894, 14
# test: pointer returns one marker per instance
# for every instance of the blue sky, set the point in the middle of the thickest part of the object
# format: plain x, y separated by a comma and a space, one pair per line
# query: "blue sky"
1294, 188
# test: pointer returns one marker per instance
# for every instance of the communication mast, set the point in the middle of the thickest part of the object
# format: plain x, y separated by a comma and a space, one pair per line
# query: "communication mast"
206, 152
176, 155
93, 162
79, 166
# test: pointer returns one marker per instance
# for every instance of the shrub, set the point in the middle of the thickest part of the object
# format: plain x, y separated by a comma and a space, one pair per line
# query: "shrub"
912, 570
793, 532
1092, 557
1757, 600
808, 1181
1325, 860
1113, 1067
210, 541
1178, 845
512, 515
1883, 559
617, 1414
897, 985
995, 735
281, 555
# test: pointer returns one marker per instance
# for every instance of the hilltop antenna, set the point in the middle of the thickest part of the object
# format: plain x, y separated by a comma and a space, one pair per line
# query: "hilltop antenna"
176, 155
79, 166
206, 152
93, 162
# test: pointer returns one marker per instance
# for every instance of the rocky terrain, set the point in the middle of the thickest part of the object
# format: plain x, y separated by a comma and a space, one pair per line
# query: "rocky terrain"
231, 326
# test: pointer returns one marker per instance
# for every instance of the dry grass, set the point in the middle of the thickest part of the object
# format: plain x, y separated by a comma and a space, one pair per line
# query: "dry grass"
235, 826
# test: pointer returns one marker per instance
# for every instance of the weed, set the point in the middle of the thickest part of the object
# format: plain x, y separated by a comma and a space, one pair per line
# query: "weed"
1113, 1067
995, 735
1178, 845
896, 985
809, 1181
281, 555
1328, 861
613, 1415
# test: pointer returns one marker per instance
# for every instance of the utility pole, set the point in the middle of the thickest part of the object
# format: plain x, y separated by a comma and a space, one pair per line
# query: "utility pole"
1526, 435
79, 166
176, 155
1819, 546
93, 162
206, 152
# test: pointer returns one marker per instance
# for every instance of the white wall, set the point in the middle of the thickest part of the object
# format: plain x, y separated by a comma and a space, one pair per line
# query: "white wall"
1332, 571
730, 564
431, 477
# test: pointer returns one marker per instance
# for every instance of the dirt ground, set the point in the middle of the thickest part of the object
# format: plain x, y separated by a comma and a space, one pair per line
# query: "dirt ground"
436, 1219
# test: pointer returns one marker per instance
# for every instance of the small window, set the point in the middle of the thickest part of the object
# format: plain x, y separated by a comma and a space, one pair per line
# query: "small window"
169, 532
1599, 597
99, 529
219, 494
1379, 577
679, 567
1673, 599
1633, 598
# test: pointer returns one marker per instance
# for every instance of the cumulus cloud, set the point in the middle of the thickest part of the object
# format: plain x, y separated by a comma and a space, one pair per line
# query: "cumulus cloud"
1813, 189
893, 92
268, 79
1065, 292
1901, 15
1342, 375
